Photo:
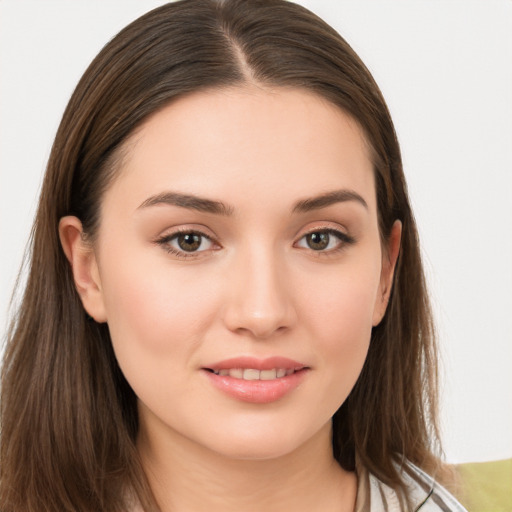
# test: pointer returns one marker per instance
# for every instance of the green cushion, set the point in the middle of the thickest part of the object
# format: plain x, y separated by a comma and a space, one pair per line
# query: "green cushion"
486, 486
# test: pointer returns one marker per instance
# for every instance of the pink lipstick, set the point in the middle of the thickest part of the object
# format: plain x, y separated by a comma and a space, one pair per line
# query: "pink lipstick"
256, 380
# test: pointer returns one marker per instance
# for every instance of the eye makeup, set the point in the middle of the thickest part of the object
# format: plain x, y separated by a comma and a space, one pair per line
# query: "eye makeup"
185, 243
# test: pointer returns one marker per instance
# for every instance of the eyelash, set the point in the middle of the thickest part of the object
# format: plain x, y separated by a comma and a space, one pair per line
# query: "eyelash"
344, 241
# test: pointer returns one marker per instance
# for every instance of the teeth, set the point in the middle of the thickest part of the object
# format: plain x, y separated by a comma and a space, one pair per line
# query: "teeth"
268, 374
250, 374
237, 373
253, 374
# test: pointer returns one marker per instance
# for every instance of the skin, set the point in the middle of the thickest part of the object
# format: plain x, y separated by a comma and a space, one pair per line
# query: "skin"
255, 287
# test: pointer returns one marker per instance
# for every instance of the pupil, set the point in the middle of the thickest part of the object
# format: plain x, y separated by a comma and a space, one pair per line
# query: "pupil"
318, 241
189, 242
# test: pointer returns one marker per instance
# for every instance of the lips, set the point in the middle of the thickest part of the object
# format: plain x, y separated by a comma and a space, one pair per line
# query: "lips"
256, 380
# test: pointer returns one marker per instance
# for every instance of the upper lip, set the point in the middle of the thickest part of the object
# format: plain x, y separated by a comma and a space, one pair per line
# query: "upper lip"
268, 363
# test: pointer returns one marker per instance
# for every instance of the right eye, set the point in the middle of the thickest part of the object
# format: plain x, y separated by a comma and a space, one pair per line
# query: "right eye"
186, 243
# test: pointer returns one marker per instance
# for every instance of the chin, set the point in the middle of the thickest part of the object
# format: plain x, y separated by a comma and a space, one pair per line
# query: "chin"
267, 442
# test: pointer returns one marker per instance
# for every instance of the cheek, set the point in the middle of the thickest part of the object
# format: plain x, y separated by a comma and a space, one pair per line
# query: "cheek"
344, 326
339, 320
157, 319
155, 312
342, 308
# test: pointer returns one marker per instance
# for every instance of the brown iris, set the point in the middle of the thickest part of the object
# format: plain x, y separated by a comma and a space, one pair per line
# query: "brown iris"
189, 242
317, 241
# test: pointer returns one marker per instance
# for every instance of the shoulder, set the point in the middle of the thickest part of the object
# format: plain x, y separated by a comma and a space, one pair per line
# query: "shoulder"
424, 494
429, 495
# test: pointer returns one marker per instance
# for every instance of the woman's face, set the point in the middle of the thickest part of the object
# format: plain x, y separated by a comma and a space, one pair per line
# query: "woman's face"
239, 267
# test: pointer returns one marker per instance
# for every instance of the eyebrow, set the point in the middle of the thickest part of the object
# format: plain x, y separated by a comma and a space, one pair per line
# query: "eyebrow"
205, 205
328, 199
188, 201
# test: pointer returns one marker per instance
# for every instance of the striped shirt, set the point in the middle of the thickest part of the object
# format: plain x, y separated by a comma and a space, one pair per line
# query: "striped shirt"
425, 494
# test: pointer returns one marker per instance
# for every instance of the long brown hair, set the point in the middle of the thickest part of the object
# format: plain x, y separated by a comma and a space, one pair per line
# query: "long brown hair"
68, 416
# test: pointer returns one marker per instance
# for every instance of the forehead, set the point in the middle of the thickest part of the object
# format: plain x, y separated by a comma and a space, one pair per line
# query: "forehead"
250, 140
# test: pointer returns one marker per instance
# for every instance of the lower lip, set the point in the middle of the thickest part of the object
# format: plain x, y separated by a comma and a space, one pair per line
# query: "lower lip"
257, 391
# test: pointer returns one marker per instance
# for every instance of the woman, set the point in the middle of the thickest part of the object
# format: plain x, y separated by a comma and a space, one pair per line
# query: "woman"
226, 307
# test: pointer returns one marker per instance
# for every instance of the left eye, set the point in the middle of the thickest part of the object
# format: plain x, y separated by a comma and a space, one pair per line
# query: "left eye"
322, 240
188, 242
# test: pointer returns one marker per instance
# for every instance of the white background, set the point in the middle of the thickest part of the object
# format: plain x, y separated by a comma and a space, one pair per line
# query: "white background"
445, 68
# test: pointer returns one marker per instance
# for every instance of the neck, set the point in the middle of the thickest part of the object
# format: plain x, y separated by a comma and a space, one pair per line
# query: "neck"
186, 477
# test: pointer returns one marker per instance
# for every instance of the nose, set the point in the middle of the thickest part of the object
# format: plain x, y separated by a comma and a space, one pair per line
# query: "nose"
260, 302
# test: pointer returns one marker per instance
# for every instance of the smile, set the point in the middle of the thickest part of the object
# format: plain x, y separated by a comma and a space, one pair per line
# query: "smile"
254, 380
254, 374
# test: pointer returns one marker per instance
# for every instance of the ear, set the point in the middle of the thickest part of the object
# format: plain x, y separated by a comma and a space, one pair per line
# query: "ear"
84, 267
389, 259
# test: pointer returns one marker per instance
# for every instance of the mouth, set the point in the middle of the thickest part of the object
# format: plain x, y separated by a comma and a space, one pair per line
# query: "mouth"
257, 380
